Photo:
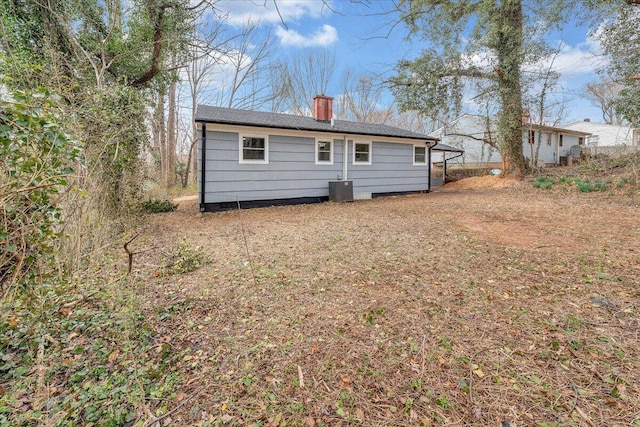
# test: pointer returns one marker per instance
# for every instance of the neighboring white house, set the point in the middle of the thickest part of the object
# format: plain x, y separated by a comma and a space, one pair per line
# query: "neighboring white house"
476, 136
607, 135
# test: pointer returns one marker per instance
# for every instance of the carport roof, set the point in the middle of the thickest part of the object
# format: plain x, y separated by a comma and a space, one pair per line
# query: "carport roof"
444, 147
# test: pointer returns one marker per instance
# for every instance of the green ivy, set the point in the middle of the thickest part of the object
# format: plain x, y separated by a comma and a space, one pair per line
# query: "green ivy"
158, 206
36, 159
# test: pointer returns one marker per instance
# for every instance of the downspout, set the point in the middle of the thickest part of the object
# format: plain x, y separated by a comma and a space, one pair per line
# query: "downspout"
203, 164
345, 158
429, 147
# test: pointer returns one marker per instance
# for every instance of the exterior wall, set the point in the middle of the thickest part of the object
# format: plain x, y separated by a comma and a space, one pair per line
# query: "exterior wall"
391, 170
605, 135
546, 150
568, 142
292, 172
467, 133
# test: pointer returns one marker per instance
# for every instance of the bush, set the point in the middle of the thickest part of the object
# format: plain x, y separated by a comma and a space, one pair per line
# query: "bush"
543, 183
158, 206
584, 186
186, 259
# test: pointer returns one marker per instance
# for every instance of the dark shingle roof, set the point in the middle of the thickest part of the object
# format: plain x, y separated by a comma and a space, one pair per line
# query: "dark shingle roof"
231, 116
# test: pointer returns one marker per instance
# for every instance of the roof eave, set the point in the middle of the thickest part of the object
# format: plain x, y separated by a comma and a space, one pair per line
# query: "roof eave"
306, 129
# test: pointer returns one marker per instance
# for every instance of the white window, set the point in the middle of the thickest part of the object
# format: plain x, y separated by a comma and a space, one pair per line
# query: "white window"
361, 153
324, 152
254, 149
419, 155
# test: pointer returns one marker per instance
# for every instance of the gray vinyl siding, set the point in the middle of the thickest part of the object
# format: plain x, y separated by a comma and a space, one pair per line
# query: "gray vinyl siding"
290, 173
391, 170
293, 173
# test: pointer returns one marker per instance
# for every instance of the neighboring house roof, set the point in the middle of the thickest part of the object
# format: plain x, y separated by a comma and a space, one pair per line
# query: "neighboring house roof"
563, 130
607, 134
231, 116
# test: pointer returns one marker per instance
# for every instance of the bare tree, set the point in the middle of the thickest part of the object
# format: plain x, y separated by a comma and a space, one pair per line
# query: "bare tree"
229, 73
541, 110
295, 82
362, 99
206, 49
243, 66
603, 94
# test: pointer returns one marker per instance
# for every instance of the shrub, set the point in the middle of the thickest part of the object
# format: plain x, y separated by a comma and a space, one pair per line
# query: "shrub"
158, 206
185, 259
600, 186
584, 186
543, 183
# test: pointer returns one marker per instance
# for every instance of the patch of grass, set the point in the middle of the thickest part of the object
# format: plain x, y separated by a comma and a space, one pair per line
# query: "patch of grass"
443, 401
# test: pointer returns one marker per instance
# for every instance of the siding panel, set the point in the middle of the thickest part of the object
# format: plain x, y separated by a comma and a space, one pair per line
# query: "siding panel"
391, 170
292, 172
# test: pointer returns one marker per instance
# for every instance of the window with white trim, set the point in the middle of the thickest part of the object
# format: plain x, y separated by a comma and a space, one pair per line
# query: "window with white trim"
324, 152
362, 153
254, 149
419, 155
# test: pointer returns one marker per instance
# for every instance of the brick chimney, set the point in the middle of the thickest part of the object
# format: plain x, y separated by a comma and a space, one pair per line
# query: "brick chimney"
322, 108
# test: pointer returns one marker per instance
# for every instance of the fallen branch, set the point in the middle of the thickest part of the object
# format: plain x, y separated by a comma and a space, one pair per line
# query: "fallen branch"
129, 253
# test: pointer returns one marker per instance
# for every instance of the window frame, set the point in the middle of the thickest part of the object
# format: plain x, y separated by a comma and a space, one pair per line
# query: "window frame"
331, 151
370, 144
241, 158
414, 155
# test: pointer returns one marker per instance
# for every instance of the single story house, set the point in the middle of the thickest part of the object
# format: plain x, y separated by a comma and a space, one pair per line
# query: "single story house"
475, 135
253, 158
607, 138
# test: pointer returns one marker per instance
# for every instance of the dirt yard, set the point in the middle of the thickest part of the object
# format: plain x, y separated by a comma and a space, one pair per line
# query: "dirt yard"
459, 307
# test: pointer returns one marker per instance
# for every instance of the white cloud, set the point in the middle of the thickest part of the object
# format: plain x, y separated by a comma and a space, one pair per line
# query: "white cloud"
583, 58
324, 36
265, 11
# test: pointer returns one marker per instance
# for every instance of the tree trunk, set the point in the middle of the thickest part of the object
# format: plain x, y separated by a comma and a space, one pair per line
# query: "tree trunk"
509, 52
172, 137
162, 134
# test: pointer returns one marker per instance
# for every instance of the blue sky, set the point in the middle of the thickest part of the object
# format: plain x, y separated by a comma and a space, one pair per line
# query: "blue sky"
363, 38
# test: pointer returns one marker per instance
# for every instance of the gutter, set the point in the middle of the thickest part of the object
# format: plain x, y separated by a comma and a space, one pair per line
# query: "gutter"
429, 147
203, 163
